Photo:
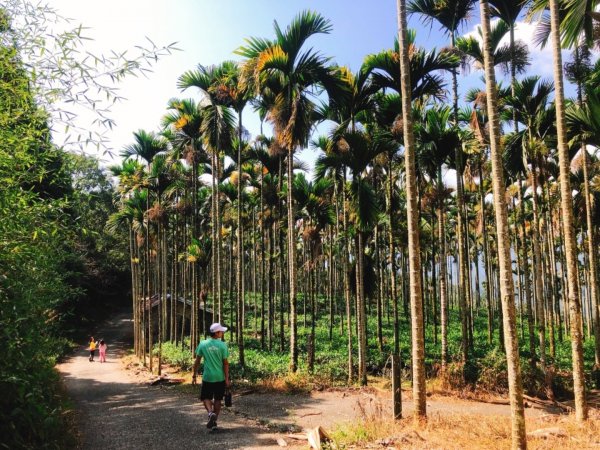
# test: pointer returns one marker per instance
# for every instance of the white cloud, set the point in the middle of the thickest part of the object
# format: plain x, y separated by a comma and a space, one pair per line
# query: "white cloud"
541, 59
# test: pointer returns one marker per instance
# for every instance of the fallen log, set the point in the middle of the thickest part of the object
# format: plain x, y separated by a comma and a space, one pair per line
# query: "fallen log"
548, 403
165, 380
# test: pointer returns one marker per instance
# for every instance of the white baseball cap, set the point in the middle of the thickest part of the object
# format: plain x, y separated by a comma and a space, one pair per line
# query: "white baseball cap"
217, 327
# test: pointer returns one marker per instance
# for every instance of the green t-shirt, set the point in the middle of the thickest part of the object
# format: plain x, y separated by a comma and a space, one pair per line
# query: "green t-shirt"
214, 351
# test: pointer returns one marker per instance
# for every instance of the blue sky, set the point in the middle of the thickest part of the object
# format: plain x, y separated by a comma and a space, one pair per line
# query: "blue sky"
208, 31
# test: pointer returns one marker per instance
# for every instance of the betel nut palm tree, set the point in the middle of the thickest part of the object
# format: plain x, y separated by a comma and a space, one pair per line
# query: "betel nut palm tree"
331, 164
451, 15
217, 132
519, 440
530, 106
146, 146
414, 253
426, 82
566, 207
436, 141
286, 73
230, 90
583, 121
504, 56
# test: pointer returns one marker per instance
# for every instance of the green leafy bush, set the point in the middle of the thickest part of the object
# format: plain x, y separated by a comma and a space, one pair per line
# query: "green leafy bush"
176, 354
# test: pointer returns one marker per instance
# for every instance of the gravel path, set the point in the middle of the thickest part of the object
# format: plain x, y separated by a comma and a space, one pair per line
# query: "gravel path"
115, 411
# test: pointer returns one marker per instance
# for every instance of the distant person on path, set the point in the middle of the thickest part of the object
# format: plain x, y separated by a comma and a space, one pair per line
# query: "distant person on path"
92, 348
215, 376
102, 349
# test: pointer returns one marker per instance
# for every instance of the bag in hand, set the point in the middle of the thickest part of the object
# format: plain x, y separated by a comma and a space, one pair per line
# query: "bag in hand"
227, 397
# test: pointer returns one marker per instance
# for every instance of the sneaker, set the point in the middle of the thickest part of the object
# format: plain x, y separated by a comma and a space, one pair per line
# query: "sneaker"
212, 421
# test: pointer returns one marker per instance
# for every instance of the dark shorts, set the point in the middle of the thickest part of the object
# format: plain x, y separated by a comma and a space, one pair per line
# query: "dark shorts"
212, 391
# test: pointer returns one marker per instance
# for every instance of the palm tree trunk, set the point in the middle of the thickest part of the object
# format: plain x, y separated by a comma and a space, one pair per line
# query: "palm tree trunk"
591, 242
418, 344
379, 292
216, 305
184, 278
240, 250
463, 284
591, 247
149, 285
537, 271
486, 262
346, 255
443, 287
271, 286
218, 262
360, 313
519, 440
264, 239
567, 218
526, 282
330, 292
132, 265
173, 287
393, 289
292, 266
255, 266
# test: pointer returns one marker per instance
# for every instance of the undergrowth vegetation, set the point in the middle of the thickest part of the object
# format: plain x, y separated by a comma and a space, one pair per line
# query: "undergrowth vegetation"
486, 371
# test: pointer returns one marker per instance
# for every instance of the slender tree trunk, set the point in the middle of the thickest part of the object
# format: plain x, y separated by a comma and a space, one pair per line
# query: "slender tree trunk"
519, 440
271, 286
537, 272
360, 313
240, 250
264, 236
443, 276
292, 266
379, 292
393, 288
591, 243
526, 282
132, 265
486, 263
149, 287
418, 344
330, 291
346, 277
591, 250
218, 262
463, 283
214, 231
567, 218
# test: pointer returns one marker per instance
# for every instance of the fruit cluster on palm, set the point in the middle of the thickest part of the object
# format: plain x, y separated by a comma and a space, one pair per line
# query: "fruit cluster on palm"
376, 227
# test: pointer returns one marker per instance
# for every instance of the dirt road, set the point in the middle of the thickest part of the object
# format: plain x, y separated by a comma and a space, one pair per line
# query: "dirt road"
115, 410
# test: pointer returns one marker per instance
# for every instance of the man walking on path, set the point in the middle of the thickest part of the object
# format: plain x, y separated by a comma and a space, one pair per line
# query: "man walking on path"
215, 376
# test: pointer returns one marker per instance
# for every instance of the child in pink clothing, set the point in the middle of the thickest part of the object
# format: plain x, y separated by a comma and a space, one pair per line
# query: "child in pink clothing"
103, 347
